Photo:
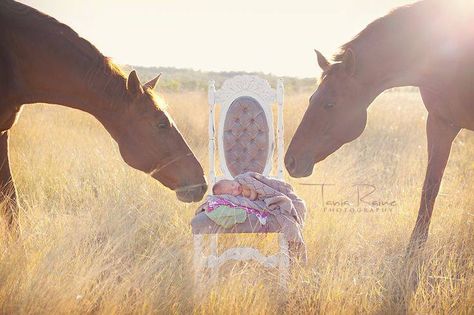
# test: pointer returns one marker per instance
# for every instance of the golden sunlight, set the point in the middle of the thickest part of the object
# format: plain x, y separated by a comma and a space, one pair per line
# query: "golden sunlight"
203, 34
105, 208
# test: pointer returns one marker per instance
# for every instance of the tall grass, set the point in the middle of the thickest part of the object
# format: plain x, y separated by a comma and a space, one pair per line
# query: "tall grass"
100, 237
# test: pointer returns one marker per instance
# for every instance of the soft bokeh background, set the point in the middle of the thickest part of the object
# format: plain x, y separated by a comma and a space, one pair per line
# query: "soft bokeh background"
271, 36
100, 237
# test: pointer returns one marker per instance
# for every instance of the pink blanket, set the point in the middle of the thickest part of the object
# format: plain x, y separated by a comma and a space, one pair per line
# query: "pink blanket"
275, 197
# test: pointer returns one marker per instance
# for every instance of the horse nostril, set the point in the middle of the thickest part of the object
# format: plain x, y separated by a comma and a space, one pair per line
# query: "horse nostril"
290, 163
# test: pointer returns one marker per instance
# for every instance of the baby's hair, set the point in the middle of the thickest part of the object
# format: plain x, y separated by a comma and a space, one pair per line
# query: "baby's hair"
219, 185
216, 186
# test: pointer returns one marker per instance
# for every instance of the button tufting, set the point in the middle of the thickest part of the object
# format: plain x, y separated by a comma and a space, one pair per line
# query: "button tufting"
245, 139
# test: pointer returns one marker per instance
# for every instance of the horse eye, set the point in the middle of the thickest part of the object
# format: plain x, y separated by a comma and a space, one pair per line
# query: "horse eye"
329, 105
162, 126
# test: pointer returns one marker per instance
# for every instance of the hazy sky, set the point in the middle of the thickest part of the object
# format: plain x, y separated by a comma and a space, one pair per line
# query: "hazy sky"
252, 35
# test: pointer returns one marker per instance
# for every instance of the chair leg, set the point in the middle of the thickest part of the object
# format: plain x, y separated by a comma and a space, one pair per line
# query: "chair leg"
214, 254
198, 264
284, 263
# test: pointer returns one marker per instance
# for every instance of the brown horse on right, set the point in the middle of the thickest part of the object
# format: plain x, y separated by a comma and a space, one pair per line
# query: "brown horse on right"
429, 44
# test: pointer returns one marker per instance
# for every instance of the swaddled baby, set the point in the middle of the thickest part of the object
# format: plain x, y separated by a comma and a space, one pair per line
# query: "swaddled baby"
276, 196
234, 188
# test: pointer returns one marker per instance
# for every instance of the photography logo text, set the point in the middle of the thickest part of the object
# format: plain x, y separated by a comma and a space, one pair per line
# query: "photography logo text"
358, 198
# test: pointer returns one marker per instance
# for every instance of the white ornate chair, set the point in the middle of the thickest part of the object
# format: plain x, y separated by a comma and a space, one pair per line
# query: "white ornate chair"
246, 142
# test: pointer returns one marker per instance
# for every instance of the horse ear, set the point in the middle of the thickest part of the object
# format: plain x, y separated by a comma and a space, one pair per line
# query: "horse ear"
322, 61
152, 83
349, 62
133, 84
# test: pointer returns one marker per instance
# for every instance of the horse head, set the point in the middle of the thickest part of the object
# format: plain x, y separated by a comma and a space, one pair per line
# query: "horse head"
150, 141
337, 114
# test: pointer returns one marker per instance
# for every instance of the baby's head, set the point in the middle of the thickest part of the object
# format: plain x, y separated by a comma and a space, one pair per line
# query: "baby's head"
227, 187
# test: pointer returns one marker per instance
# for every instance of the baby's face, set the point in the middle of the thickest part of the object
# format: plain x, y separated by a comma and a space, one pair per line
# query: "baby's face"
230, 187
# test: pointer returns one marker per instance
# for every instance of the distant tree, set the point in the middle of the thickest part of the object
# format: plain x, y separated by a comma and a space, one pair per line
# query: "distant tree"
180, 80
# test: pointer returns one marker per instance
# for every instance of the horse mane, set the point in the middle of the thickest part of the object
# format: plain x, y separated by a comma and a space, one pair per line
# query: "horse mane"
63, 38
29, 18
382, 25
95, 64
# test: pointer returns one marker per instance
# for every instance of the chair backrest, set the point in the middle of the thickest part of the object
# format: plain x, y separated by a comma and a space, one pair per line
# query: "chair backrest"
245, 136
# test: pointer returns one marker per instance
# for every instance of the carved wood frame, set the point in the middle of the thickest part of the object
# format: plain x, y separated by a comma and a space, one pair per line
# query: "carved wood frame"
259, 89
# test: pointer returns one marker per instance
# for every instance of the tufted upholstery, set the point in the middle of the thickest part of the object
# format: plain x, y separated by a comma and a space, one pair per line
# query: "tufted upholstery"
246, 136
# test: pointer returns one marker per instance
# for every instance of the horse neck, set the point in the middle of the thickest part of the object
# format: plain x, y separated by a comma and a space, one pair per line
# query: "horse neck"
94, 89
65, 70
387, 69
402, 52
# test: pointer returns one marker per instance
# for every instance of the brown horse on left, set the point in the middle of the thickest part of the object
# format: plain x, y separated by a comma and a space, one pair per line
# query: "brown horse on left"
44, 61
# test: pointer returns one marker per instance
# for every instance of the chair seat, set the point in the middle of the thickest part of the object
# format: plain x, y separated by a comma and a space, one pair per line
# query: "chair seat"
201, 224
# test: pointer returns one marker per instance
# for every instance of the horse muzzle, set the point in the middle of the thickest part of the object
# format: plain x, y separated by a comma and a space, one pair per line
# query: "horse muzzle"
191, 193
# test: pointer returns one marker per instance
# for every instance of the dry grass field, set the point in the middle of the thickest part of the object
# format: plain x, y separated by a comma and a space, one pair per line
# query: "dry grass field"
100, 237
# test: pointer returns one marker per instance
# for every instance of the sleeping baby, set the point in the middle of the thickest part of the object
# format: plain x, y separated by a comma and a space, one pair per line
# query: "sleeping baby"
234, 188
271, 200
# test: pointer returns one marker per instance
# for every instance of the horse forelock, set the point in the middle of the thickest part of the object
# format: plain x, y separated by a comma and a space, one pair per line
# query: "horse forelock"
159, 101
